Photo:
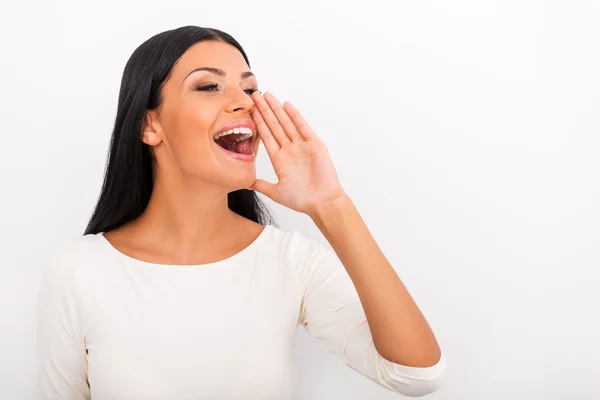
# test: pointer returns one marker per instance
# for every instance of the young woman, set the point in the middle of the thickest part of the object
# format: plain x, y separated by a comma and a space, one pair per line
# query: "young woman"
181, 286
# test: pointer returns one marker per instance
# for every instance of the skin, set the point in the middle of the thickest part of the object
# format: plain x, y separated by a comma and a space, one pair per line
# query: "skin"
193, 177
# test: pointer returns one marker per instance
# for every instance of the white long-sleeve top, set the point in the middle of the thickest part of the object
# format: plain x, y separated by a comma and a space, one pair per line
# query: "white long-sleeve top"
112, 327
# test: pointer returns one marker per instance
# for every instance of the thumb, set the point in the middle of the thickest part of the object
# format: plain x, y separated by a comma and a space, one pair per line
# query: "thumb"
264, 187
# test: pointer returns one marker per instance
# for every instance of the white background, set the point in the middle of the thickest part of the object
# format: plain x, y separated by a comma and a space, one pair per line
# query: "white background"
467, 133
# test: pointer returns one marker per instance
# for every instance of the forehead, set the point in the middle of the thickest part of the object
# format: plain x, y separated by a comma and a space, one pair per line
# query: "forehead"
211, 53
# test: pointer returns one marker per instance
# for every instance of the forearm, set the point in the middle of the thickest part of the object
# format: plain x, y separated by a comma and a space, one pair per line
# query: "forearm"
400, 332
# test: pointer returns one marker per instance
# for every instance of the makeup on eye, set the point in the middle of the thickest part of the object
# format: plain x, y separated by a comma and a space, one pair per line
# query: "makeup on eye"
212, 87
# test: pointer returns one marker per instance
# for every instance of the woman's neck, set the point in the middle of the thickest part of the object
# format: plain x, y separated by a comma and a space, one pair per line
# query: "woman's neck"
186, 219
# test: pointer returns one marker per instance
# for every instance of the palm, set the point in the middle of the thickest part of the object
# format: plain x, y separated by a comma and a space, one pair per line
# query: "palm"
306, 174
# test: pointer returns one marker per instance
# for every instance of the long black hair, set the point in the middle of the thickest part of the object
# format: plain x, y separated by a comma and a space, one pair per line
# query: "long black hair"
128, 179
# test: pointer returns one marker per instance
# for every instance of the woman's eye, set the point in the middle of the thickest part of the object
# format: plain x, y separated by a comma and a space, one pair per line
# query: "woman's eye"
208, 88
215, 86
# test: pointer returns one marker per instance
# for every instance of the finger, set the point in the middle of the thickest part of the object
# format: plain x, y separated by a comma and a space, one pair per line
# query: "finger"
265, 134
301, 124
264, 187
284, 119
270, 119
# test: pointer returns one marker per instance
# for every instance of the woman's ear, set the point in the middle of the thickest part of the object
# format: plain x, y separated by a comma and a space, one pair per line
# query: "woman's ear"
151, 129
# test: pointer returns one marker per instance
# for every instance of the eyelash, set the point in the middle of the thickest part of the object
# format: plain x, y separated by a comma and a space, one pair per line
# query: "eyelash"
214, 86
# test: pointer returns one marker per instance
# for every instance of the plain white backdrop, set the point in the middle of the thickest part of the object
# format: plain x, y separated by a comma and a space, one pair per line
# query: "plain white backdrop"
467, 133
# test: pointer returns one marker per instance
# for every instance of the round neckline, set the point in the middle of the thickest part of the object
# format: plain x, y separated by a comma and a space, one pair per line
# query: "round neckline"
227, 260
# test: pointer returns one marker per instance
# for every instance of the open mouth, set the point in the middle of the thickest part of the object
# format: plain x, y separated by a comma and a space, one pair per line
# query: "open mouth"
237, 140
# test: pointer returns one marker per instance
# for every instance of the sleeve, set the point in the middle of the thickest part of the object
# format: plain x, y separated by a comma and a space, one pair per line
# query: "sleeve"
61, 352
332, 313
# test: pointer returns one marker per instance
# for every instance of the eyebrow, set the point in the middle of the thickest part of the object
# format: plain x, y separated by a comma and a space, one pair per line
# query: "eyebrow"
218, 71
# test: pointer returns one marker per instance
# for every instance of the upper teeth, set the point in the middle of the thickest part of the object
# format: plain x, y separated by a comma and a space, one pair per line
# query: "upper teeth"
244, 133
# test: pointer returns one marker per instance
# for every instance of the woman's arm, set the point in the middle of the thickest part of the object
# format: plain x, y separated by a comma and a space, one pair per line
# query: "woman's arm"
61, 353
355, 301
400, 332
331, 312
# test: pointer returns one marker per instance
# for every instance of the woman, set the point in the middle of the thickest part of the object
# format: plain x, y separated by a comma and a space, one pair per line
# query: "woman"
180, 287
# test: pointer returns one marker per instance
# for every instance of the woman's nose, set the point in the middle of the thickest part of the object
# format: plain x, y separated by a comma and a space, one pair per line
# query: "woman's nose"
241, 102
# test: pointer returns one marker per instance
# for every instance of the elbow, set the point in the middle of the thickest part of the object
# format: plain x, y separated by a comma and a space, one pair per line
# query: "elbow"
411, 381
419, 389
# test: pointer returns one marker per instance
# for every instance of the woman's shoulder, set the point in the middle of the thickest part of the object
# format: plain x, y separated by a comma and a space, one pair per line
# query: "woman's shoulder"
292, 243
85, 245
78, 248
311, 259
71, 258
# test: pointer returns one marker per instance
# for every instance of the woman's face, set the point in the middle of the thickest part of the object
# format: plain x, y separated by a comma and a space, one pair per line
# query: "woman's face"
209, 89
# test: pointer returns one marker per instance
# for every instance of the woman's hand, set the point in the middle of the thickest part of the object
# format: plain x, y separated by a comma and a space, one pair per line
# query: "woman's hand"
307, 178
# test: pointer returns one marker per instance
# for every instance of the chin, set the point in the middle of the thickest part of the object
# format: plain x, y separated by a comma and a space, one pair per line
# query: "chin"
239, 180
